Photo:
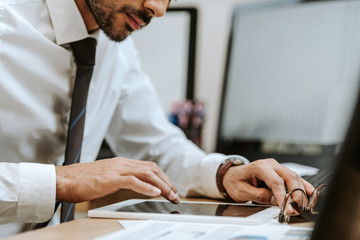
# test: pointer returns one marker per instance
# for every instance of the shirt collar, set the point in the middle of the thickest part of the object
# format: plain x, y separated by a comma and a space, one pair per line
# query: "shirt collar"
68, 24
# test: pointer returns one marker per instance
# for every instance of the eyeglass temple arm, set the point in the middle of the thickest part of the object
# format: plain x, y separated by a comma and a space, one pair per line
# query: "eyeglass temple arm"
313, 197
283, 217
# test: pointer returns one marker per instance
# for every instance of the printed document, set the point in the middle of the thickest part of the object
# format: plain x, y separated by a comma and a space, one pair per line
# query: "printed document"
166, 230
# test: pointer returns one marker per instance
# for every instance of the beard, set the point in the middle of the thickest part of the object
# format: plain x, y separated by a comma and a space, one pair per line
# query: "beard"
106, 19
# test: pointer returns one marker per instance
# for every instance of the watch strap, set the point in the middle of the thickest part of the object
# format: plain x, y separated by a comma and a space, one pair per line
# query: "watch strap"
230, 162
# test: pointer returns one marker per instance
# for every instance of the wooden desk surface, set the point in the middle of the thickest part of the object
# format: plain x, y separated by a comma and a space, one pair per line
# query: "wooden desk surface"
84, 228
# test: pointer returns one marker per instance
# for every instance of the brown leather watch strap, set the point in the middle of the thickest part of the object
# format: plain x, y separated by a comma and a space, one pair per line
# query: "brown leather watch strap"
221, 173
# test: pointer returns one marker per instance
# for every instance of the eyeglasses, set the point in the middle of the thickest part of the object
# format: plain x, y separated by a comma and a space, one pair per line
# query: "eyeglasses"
305, 211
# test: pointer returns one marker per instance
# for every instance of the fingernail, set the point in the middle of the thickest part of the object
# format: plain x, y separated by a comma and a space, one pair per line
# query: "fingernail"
174, 197
156, 191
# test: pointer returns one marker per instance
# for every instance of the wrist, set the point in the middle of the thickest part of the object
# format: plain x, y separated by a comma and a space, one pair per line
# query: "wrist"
61, 185
223, 168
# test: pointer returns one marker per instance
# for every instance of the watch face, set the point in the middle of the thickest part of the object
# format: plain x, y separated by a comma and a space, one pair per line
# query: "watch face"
235, 161
238, 162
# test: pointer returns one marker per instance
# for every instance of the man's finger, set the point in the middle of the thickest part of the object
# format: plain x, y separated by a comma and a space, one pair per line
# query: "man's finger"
151, 173
135, 184
293, 181
267, 172
153, 178
157, 170
308, 187
167, 180
273, 181
260, 195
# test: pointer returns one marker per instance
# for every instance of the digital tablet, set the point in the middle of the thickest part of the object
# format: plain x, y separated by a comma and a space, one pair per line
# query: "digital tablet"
188, 211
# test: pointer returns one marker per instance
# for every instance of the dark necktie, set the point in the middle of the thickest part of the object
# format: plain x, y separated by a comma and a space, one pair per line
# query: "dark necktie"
84, 53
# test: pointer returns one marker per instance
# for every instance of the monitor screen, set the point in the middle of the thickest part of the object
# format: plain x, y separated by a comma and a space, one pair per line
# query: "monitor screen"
292, 76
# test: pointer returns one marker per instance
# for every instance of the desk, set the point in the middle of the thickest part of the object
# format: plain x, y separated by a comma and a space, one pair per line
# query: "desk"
84, 228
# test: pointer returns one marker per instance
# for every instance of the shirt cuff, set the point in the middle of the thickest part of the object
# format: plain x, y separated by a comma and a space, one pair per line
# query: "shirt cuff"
209, 167
37, 192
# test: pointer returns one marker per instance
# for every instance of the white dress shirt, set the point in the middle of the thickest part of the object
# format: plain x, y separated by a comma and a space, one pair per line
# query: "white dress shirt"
37, 76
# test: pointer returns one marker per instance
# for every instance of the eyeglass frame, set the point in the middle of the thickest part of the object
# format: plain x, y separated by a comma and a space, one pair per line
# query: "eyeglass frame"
304, 211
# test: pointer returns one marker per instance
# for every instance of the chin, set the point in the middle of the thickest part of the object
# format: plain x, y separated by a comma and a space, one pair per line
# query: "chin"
116, 37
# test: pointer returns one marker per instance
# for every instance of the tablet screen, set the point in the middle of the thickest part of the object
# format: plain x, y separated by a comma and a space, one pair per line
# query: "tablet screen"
229, 210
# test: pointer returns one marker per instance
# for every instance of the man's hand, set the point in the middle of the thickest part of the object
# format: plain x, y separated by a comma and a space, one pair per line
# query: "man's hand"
243, 183
87, 181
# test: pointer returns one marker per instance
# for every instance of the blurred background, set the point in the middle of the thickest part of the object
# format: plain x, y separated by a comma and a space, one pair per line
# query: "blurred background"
212, 35
275, 78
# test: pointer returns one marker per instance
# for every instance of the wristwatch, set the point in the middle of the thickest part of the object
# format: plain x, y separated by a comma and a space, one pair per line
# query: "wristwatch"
229, 162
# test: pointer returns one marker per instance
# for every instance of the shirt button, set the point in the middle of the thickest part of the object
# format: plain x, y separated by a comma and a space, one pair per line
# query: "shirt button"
34, 218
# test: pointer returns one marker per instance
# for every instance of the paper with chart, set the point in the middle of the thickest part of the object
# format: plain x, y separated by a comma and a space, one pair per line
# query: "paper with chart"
166, 230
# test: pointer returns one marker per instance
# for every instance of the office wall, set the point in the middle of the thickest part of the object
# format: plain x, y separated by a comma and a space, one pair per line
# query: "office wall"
214, 19
214, 22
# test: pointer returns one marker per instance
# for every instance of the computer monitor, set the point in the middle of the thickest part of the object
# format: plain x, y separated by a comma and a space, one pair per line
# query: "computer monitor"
291, 79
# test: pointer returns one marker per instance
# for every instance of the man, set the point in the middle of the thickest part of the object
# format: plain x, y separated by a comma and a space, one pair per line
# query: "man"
37, 78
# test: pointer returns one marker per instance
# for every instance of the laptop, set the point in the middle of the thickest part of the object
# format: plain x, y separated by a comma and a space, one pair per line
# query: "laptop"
340, 214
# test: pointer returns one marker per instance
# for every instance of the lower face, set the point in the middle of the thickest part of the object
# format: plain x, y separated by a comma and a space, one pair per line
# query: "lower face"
116, 19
